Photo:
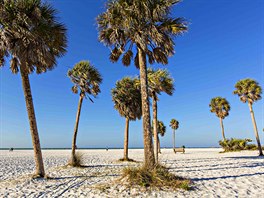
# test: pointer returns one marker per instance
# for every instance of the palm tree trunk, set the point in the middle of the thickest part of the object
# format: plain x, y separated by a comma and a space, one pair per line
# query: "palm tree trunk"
255, 129
76, 130
33, 123
174, 140
155, 127
126, 140
159, 144
149, 161
222, 127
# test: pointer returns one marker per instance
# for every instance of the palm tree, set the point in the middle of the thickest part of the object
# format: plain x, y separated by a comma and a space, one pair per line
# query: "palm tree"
86, 79
127, 101
161, 131
159, 81
174, 124
220, 106
250, 91
32, 39
145, 26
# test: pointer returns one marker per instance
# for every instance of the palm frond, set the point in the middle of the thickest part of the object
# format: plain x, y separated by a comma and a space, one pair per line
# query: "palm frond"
126, 60
160, 81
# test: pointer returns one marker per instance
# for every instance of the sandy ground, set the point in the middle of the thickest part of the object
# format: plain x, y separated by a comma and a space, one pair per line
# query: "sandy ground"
239, 174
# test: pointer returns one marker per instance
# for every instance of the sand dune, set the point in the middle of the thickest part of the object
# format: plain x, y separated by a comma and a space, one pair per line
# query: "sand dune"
239, 174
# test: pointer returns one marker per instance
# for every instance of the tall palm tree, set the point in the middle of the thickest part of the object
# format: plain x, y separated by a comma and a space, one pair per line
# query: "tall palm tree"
220, 106
146, 28
86, 79
159, 81
174, 124
127, 101
161, 131
33, 39
250, 91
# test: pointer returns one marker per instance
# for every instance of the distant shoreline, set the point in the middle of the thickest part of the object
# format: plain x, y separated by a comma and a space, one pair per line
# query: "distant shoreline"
98, 148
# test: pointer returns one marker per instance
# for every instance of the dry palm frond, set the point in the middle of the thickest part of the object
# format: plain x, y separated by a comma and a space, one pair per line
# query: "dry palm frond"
126, 60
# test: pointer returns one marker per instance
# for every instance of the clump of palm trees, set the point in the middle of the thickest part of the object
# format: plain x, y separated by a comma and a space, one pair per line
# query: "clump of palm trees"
86, 79
33, 39
140, 29
249, 91
127, 100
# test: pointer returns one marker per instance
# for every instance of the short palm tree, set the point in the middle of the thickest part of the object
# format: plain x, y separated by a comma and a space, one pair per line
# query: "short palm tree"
146, 27
159, 81
161, 132
127, 101
250, 91
32, 38
174, 124
220, 106
86, 79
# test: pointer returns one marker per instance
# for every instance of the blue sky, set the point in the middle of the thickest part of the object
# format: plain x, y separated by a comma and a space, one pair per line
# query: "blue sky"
223, 45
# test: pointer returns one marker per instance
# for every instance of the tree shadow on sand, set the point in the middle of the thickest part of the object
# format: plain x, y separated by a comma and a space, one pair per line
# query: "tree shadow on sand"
252, 165
83, 176
95, 166
100, 166
226, 177
247, 157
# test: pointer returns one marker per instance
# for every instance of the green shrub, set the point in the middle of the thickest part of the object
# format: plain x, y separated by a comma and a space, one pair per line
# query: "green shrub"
251, 147
234, 144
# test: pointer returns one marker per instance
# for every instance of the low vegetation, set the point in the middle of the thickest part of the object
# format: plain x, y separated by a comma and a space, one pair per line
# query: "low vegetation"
76, 160
234, 144
158, 178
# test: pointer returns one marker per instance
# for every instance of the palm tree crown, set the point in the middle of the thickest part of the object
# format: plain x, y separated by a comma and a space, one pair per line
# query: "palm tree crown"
160, 81
220, 106
141, 23
31, 35
174, 124
127, 98
86, 79
161, 128
248, 90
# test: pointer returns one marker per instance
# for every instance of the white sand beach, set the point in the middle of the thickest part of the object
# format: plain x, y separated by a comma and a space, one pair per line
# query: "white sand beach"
237, 174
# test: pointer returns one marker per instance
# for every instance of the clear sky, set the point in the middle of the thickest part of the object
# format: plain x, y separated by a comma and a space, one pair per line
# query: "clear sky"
223, 45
